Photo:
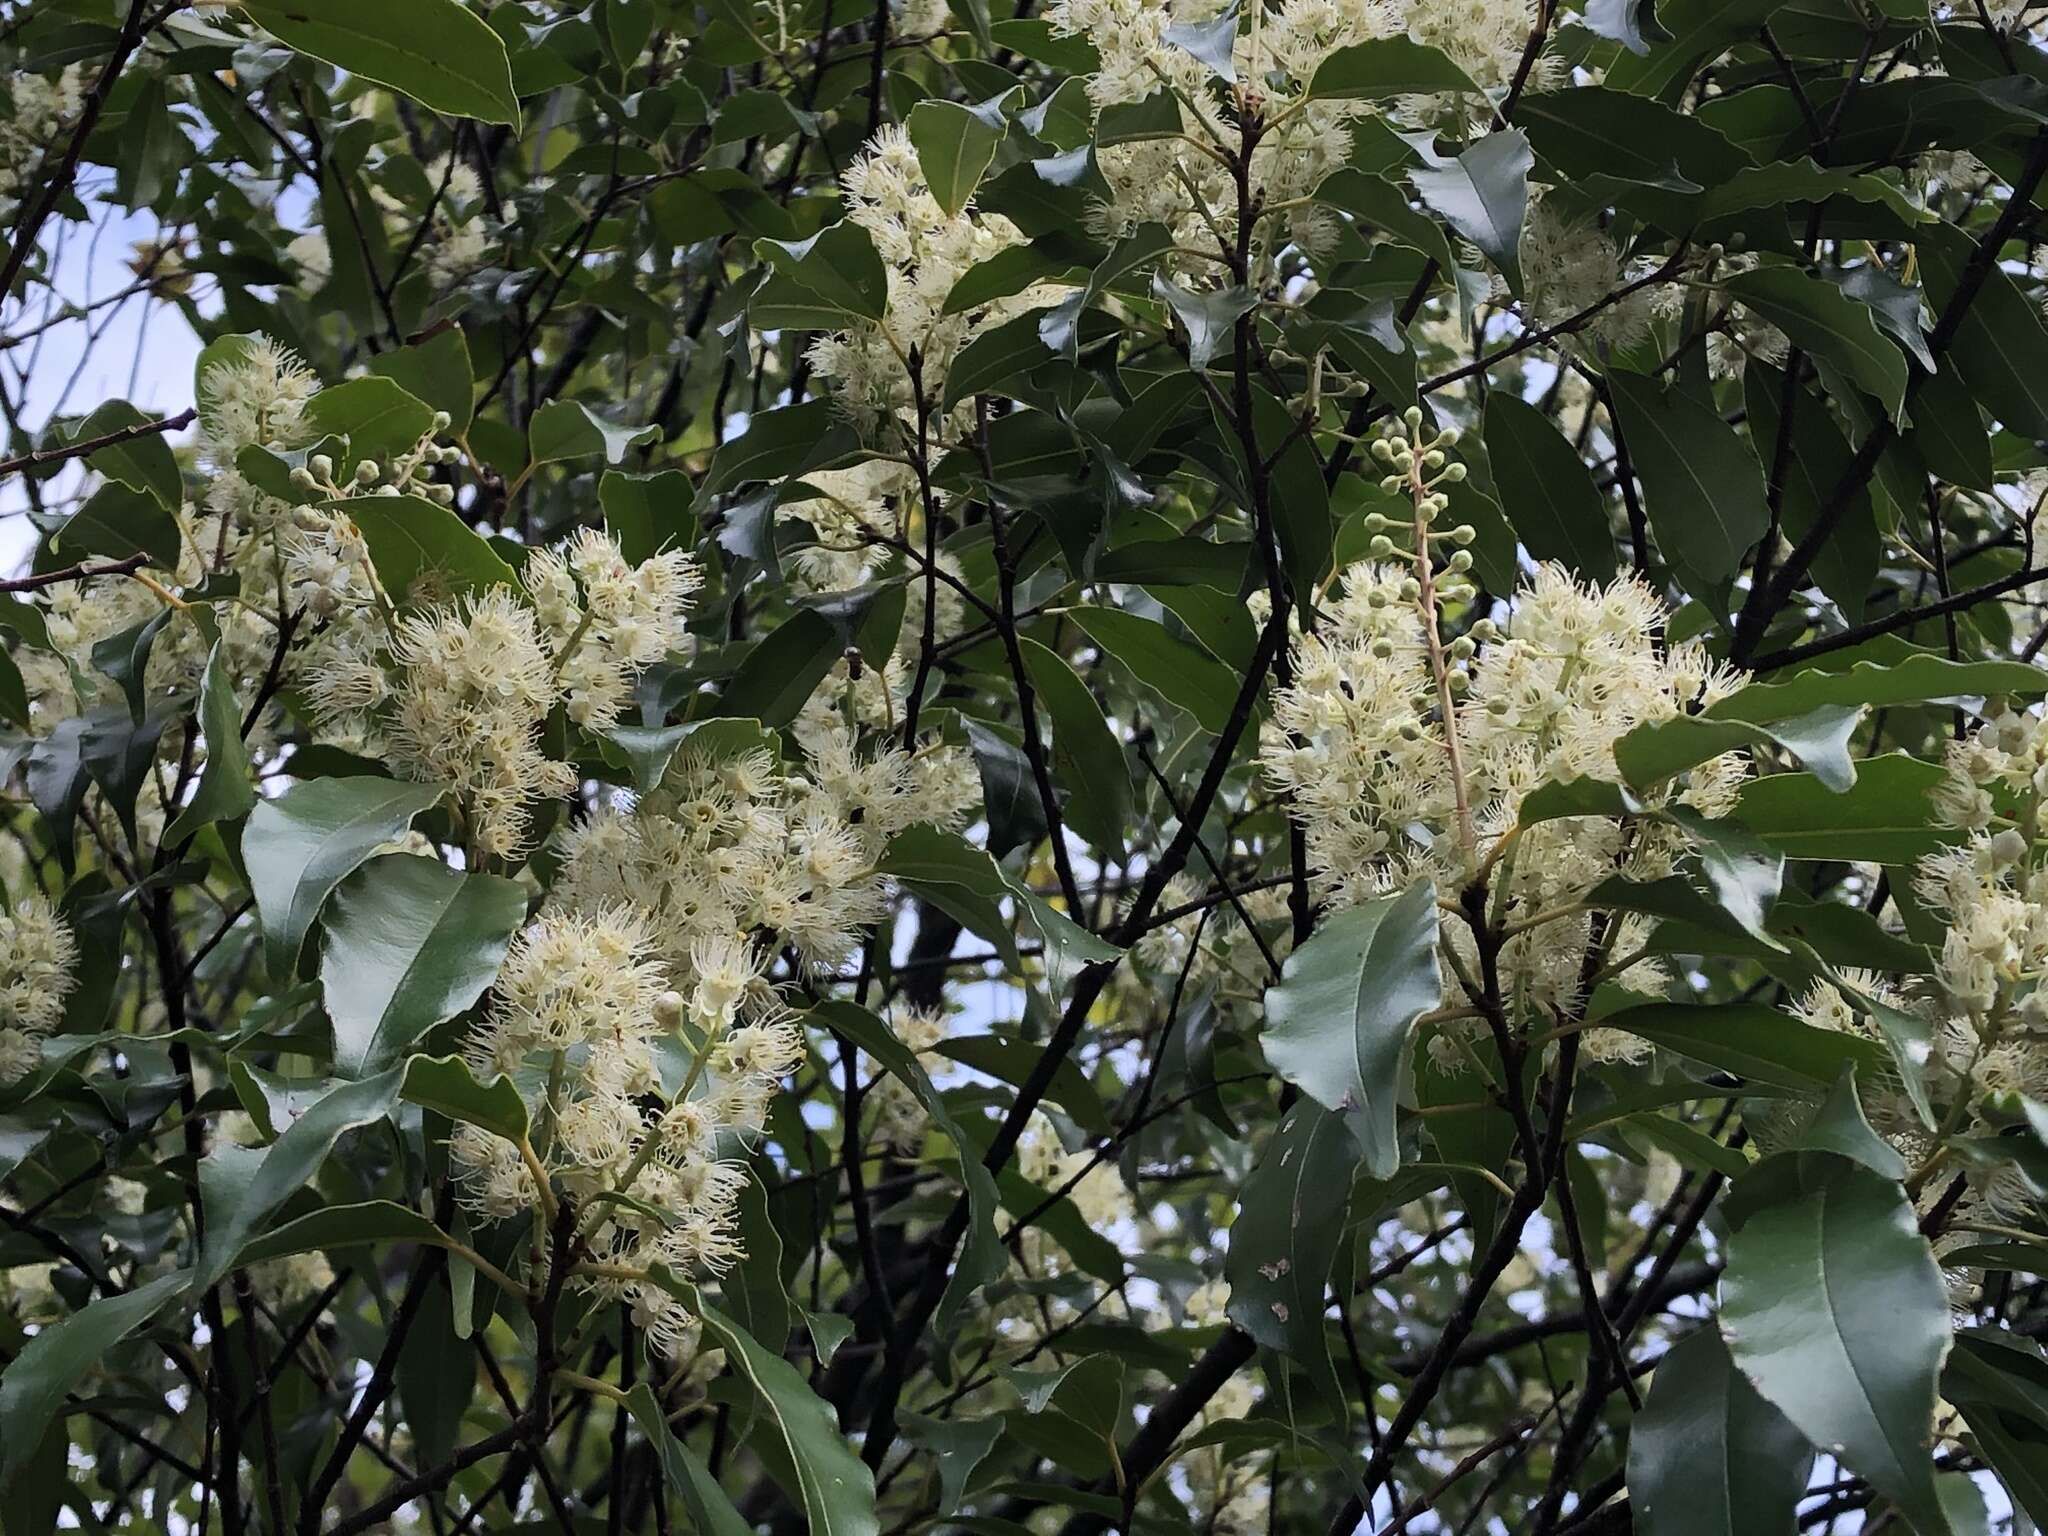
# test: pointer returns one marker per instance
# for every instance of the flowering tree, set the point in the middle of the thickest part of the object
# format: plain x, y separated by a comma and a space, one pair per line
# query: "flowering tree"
1115, 766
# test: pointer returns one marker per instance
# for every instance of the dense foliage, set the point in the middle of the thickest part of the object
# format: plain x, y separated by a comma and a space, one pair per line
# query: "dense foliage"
1112, 765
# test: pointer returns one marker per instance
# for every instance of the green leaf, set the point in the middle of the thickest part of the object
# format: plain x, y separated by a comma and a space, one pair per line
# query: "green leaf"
1839, 1126
379, 418
955, 144
117, 522
2002, 338
421, 550
1548, 493
1751, 1041
982, 1258
445, 1085
1742, 875
965, 881
1707, 1456
776, 444
1697, 30
240, 1186
568, 429
437, 371
143, 463
1484, 194
227, 788
836, 1490
303, 844
1086, 754
1826, 323
1339, 1020
711, 1512
1885, 817
438, 52
409, 944
1921, 678
1386, 67
782, 670
1207, 317
1177, 672
1652, 753
960, 1445
345, 1226
34, 1387
1703, 490
837, 266
1833, 1305
1290, 1224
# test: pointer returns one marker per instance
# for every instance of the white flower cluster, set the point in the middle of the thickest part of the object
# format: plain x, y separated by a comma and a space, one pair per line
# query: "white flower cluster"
609, 620
41, 107
647, 1153
460, 693
1569, 264
646, 1000
37, 960
1406, 757
1188, 183
925, 251
1984, 1006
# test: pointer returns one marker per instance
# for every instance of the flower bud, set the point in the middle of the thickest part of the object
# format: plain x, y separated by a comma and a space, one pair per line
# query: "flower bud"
321, 466
366, 472
1381, 547
443, 421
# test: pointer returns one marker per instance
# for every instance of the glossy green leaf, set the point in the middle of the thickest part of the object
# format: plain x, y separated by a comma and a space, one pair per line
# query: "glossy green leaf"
1206, 318
1652, 753
837, 1492
421, 550
1339, 1020
1386, 67
409, 944
837, 266
227, 788
379, 418
1884, 817
711, 1511
1087, 757
438, 52
437, 371
1751, 1041
982, 1257
117, 522
1702, 489
241, 1186
955, 144
303, 844
1546, 489
1834, 1307
1484, 194
36, 1383
1826, 323
1919, 678
344, 1226
1177, 672
568, 429
1291, 1219
1707, 1456
143, 463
